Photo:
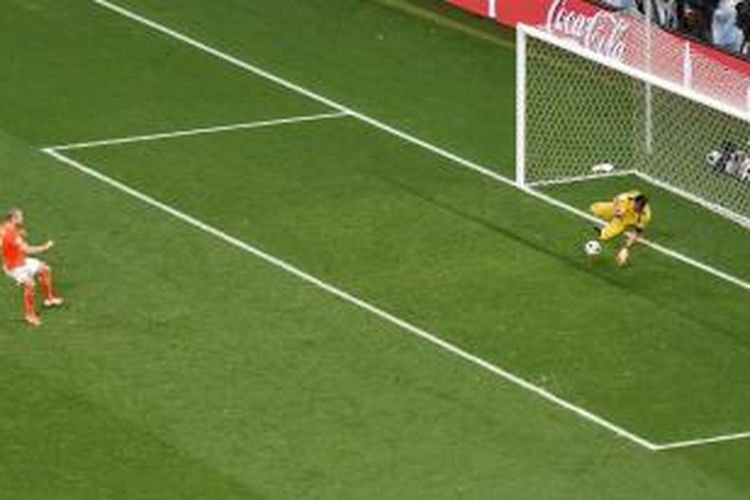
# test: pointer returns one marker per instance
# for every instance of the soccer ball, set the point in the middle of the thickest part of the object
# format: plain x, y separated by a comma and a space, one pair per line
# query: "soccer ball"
592, 247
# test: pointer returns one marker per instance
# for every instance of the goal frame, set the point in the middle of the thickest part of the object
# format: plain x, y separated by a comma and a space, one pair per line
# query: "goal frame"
524, 31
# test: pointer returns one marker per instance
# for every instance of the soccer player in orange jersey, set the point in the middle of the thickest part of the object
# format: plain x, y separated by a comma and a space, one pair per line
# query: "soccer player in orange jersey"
22, 269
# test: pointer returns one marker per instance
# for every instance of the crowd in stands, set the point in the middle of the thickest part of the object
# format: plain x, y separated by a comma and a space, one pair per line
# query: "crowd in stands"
723, 23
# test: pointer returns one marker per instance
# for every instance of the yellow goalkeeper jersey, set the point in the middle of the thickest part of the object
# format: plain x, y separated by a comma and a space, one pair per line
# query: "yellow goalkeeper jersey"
625, 210
620, 215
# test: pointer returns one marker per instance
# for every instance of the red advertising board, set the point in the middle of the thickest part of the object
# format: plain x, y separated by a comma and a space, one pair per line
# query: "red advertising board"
533, 12
480, 7
622, 36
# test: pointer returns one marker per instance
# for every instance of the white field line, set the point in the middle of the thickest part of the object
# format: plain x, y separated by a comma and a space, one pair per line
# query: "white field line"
718, 209
659, 248
347, 297
579, 178
197, 131
429, 147
690, 443
400, 134
728, 214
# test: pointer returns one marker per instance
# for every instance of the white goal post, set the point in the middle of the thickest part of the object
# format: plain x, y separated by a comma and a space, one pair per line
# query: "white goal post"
582, 115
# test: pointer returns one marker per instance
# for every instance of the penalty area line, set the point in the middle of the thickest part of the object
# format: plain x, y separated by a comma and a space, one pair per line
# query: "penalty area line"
354, 300
196, 131
403, 324
691, 443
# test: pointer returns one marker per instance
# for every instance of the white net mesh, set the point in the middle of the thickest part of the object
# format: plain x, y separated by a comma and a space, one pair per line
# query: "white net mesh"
711, 78
580, 113
684, 136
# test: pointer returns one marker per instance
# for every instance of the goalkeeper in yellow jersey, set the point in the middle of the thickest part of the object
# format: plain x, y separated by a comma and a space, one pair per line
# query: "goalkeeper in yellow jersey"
627, 213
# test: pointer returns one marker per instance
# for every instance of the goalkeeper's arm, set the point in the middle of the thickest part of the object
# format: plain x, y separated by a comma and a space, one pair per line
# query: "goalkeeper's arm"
631, 238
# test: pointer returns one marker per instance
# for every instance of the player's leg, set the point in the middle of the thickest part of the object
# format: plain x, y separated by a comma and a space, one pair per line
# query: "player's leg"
604, 210
29, 307
614, 228
45, 279
25, 276
25, 279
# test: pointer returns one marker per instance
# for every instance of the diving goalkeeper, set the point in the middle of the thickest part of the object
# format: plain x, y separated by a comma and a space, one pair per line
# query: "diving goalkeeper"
627, 213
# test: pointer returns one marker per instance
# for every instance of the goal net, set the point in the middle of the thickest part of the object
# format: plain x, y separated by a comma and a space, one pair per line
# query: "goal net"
582, 116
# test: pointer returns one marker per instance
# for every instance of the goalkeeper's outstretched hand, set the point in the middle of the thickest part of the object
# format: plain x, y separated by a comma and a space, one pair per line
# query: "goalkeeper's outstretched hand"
623, 256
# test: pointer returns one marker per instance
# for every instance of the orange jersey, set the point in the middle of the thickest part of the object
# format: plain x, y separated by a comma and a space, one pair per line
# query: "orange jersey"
13, 254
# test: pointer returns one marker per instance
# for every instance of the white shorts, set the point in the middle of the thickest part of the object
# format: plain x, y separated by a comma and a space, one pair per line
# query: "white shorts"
26, 272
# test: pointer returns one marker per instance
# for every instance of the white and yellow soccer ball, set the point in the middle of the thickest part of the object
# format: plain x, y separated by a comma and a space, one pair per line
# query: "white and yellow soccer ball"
592, 247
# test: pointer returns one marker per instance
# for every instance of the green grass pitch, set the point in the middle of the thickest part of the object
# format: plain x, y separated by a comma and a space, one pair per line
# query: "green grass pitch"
184, 367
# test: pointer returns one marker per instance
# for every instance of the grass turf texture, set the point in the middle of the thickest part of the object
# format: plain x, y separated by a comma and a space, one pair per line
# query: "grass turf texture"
185, 368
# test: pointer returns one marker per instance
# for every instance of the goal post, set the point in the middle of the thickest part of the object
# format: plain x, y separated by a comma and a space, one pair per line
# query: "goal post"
581, 115
521, 106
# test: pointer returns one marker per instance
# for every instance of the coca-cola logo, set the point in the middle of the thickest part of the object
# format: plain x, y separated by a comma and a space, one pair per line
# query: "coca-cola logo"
603, 32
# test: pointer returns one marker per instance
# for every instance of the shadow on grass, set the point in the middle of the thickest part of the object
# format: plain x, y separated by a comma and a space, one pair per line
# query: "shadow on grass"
601, 267
598, 267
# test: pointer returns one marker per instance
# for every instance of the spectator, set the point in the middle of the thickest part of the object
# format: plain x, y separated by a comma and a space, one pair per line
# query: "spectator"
665, 12
725, 27
694, 17
723, 23
621, 4
743, 23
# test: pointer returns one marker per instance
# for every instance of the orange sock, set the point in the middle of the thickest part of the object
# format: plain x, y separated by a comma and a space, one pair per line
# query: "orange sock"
45, 279
28, 301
